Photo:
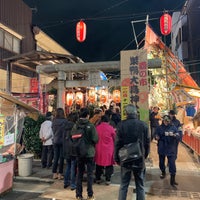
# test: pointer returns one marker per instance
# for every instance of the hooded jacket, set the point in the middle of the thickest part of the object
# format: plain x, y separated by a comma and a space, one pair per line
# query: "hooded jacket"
59, 127
91, 137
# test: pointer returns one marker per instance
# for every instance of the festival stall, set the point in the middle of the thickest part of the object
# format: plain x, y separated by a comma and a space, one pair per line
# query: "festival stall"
12, 113
188, 113
172, 87
172, 73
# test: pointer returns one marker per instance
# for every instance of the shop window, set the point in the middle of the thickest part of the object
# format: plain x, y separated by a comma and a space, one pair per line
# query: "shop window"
8, 41
16, 45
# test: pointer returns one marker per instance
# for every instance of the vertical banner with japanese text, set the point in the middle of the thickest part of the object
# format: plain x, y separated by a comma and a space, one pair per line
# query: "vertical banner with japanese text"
134, 82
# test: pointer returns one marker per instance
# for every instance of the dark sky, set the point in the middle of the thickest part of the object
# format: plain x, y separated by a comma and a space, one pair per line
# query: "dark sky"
109, 27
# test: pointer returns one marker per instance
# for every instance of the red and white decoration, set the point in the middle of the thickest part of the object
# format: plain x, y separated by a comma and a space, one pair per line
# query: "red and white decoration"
81, 31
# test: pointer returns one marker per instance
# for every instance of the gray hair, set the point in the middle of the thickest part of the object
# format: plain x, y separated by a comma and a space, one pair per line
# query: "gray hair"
131, 109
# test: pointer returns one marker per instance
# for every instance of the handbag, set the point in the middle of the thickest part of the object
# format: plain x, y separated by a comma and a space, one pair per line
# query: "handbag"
131, 156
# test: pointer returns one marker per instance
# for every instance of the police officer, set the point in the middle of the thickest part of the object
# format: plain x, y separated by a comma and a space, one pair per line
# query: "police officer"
167, 136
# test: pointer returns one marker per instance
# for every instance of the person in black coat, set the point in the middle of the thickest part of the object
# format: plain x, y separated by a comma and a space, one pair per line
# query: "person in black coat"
59, 127
71, 168
128, 131
154, 118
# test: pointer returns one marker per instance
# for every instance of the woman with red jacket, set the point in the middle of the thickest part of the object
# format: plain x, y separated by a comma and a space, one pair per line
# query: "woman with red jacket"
104, 155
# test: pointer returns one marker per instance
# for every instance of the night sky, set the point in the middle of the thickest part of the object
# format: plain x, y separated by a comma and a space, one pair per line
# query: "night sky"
109, 27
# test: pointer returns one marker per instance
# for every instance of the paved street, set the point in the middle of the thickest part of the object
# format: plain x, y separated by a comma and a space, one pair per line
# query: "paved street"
40, 186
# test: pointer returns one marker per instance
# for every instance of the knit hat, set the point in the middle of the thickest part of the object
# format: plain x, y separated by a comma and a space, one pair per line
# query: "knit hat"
48, 115
172, 112
166, 118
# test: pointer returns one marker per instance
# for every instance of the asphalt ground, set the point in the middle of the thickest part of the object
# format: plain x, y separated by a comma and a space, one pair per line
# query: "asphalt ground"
41, 186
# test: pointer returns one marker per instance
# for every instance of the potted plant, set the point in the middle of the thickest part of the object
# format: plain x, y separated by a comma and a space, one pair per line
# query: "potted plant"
31, 137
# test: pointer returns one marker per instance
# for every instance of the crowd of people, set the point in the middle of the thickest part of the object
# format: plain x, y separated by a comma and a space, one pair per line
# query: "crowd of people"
106, 134
99, 161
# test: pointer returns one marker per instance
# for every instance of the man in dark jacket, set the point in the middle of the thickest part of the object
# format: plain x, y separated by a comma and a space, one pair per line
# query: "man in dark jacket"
178, 125
92, 139
129, 131
154, 119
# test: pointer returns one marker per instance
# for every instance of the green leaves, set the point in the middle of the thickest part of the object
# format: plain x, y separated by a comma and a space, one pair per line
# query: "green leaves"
31, 138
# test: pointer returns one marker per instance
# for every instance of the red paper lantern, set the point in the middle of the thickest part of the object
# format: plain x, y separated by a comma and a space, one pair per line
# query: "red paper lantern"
81, 31
165, 24
116, 96
79, 98
103, 99
92, 96
69, 99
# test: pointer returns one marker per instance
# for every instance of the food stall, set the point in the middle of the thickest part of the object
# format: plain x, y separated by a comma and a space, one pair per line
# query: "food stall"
12, 114
190, 113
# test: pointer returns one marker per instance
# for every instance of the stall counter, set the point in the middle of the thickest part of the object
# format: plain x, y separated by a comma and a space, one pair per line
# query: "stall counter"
191, 137
6, 174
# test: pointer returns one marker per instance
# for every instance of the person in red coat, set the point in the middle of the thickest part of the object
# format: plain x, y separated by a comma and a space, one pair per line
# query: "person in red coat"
104, 155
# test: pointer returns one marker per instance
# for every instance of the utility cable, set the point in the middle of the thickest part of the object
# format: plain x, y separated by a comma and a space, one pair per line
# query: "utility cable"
128, 44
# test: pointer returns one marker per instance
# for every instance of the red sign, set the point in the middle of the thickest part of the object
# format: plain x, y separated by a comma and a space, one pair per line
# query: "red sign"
33, 85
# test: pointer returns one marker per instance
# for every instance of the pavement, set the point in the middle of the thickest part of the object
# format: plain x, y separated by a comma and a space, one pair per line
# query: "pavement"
41, 186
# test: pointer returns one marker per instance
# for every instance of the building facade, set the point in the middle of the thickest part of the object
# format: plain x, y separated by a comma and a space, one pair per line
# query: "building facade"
185, 37
23, 47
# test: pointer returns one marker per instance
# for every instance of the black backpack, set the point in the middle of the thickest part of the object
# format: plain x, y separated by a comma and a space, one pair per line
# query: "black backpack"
77, 143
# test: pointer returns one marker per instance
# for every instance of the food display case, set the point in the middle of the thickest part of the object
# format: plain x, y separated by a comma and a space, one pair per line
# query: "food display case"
12, 114
191, 133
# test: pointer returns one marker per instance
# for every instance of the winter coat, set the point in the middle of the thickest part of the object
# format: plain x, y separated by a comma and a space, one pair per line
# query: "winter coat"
129, 131
154, 122
167, 137
46, 132
91, 136
66, 135
59, 127
104, 154
177, 123
95, 119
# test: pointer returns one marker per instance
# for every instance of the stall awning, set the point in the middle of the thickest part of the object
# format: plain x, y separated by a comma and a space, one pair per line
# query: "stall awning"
192, 91
182, 97
14, 100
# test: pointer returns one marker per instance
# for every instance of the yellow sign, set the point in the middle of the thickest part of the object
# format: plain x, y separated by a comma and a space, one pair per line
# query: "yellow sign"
2, 125
125, 100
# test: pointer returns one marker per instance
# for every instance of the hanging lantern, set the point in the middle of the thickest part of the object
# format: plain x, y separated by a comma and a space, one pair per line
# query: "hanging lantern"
69, 99
79, 98
103, 96
165, 24
91, 96
81, 31
116, 96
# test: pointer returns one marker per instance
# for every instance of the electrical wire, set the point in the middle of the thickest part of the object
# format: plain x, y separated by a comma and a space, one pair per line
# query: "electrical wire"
130, 42
103, 18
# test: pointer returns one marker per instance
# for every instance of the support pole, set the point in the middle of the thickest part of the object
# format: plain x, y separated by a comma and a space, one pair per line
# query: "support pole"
61, 89
9, 78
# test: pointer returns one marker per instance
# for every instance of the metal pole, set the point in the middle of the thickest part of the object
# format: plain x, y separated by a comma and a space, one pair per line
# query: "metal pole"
166, 72
9, 78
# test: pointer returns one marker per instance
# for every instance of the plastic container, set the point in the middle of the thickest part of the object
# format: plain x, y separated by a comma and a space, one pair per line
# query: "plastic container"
25, 162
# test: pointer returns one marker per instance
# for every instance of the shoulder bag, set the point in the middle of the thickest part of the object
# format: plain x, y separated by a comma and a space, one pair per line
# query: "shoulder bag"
131, 156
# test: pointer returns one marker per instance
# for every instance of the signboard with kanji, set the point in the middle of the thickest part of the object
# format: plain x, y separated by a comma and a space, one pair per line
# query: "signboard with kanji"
134, 82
